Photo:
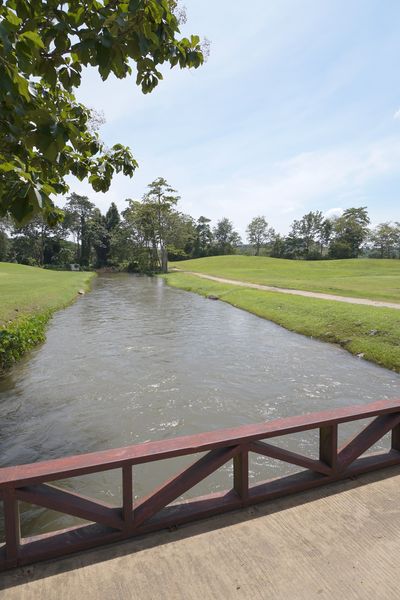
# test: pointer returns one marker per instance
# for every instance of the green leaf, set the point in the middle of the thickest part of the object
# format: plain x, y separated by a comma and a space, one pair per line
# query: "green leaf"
6, 167
33, 37
135, 5
13, 19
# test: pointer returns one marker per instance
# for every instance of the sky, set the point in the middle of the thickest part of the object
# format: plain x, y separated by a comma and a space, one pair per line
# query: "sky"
296, 109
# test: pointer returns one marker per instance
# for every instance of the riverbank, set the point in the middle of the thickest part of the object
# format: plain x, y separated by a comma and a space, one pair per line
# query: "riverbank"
374, 279
371, 332
28, 297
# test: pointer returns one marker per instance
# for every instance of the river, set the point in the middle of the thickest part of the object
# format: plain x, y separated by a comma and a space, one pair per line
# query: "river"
135, 360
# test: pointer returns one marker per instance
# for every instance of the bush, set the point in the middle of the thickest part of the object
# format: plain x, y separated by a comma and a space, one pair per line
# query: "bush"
339, 249
20, 336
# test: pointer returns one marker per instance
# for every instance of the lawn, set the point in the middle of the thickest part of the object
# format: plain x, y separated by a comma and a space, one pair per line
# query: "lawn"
28, 290
364, 278
28, 296
370, 331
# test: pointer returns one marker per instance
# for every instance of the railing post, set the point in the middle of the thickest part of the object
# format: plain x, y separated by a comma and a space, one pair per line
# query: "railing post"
12, 527
396, 438
127, 495
241, 473
328, 445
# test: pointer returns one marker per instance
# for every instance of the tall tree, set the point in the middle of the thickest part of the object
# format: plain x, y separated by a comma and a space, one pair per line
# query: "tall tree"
36, 242
226, 238
351, 230
112, 219
203, 238
98, 237
325, 234
258, 233
160, 201
304, 233
45, 133
385, 239
5, 227
79, 211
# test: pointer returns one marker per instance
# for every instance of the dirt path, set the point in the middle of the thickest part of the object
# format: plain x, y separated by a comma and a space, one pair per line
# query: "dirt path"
269, 288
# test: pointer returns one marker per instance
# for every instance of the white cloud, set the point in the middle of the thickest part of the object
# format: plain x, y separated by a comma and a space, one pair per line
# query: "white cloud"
281, 191
333, 213
397, 114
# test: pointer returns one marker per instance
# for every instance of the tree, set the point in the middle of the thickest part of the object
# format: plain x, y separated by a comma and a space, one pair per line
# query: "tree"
4, 239
258, 233
351, 230
36, 243
385, 240
325, 234
101, 230
79, 211
304, 235
45, 134
181, 236
112, 219
98, 238
159, 202
225, 237
203, 238
278, 246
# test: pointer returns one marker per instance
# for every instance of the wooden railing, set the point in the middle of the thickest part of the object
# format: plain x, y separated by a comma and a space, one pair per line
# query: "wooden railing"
30, 483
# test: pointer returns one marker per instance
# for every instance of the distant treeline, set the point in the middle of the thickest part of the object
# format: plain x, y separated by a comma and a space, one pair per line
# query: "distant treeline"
151, 231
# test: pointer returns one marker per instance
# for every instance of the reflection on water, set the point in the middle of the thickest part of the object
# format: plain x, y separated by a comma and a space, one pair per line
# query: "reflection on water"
135, 360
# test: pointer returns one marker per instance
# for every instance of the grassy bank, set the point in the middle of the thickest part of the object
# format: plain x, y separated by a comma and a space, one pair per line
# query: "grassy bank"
373, 332
28, 297
363, 278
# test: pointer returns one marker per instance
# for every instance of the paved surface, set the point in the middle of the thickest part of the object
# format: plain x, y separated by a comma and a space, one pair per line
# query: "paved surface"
269, 288
342, 542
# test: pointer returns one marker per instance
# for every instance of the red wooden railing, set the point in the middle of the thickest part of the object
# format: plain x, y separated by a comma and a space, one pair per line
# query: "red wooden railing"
29, 483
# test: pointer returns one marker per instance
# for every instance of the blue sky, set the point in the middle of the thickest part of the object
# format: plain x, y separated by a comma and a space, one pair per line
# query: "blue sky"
295, 110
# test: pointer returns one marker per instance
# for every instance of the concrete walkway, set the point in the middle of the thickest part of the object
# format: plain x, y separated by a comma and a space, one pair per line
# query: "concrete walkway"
269, 288
341, 542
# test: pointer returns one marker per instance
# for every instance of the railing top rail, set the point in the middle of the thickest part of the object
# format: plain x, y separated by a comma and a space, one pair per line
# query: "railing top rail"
71, 466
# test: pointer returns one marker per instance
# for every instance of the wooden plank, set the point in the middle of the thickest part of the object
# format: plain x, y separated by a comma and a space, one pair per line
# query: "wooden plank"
11, 528
127, 494
71, 503
180, 483
328, 445
67, 541
241, 472
290, 457
367, 438
110, 459
396, 438
192, 510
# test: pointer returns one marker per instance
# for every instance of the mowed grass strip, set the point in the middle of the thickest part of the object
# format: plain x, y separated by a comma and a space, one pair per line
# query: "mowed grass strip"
359, 278
29, 290
371, 331
28, 297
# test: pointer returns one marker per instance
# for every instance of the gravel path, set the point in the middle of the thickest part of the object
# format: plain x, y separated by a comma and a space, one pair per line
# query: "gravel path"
269, 288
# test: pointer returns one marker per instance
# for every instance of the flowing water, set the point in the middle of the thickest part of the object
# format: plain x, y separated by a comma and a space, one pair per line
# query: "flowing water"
135, 360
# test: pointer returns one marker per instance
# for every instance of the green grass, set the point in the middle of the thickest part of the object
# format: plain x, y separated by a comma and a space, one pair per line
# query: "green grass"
373, 332
28, 296
364, 278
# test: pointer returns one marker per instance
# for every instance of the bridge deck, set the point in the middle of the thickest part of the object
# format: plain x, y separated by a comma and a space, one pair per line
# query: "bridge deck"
342, 541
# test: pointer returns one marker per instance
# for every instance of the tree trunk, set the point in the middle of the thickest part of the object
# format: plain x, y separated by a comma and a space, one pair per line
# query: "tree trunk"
164, 260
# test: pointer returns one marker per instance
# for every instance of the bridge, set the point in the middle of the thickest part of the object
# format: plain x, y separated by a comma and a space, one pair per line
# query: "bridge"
317, 533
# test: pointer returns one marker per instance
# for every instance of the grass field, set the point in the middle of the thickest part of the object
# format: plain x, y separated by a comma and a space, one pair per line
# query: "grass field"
363, 278
27, 290
370, 331
28, 296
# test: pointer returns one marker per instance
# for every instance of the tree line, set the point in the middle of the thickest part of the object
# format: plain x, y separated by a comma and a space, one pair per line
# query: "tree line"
151, 231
